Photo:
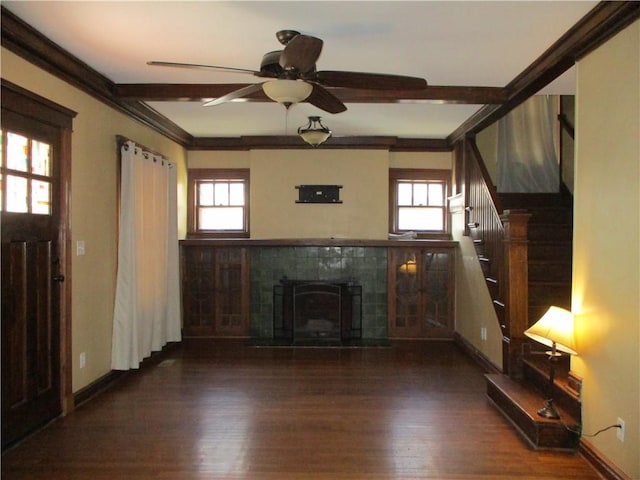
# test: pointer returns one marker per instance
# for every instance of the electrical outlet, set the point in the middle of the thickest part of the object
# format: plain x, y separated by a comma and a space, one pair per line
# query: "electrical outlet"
80, 250
483, 333
620, 430
83, 360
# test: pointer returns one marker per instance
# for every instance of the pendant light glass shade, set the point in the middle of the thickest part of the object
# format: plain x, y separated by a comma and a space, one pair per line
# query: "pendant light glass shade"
314, 133
287, 92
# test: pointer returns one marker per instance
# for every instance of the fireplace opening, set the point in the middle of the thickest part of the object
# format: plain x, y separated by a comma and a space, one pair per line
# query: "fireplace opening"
314, 310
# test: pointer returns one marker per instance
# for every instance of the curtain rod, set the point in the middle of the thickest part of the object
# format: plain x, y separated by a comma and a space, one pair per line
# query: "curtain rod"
121, 140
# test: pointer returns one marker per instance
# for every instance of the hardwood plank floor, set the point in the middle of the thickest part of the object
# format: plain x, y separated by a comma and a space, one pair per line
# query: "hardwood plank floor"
223, 410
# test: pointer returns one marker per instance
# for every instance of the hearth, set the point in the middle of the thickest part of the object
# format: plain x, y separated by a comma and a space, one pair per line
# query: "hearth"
323, 311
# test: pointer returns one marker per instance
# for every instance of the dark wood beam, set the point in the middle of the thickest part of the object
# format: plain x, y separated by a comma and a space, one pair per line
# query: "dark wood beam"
595, 28
282, 142
198, 92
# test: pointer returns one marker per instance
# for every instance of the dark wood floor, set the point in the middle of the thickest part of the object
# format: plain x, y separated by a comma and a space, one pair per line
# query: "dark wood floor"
228, 411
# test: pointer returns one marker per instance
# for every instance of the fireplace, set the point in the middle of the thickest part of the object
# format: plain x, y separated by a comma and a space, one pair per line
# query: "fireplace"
317, 311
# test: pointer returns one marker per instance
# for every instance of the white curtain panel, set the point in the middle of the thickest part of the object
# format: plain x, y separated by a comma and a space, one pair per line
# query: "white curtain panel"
527, 157
147, 304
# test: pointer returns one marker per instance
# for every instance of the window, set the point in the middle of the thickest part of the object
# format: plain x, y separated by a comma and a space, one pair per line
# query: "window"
418, 201
26, 179
219, 202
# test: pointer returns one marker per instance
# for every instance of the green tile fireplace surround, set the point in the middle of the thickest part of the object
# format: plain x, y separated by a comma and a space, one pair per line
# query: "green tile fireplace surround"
363, 265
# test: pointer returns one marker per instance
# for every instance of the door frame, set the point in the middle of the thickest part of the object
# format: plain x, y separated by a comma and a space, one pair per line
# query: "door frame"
28, 104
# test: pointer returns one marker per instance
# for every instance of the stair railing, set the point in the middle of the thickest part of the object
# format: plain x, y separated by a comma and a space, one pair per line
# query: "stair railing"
501, 242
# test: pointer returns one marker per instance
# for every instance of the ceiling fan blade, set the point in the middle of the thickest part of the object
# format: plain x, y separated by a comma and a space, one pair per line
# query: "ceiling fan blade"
242, 92
203, 67
325, 100
375, 81
301, 53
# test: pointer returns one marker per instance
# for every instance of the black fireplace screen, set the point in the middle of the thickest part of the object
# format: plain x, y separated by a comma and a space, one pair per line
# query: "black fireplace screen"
317, 310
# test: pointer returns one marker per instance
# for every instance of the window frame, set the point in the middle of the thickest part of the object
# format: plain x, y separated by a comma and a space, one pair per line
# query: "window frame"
196, 176
419, 175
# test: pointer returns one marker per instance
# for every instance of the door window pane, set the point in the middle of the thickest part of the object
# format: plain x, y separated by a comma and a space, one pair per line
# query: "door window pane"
25, 162
40, 158
17, 194
17, 152
40, 197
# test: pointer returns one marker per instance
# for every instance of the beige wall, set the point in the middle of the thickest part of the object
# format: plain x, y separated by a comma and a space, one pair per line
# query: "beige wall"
474, 306
93, 207
363, 174
606, 272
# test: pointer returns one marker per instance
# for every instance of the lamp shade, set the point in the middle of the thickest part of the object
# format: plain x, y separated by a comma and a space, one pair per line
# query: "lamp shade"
555, 326
287, 92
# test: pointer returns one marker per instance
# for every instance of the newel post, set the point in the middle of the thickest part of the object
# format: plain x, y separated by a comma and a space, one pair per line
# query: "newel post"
516, 289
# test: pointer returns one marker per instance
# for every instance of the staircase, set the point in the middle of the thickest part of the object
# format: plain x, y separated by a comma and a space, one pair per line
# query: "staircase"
549, 264
524, 246
550, 234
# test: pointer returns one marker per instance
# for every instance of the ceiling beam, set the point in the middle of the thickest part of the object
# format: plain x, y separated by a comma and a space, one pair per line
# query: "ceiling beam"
189, 92
391, 143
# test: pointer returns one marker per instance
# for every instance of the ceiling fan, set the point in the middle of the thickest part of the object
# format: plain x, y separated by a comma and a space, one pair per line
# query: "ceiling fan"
293, 76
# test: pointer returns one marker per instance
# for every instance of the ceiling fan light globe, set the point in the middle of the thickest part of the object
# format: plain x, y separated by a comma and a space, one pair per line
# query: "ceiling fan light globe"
287, 92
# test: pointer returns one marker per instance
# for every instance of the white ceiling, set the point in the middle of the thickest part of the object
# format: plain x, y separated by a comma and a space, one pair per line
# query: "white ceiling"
456, 43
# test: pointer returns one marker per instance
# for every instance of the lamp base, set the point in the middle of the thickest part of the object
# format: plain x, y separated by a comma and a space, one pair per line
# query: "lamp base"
549, 411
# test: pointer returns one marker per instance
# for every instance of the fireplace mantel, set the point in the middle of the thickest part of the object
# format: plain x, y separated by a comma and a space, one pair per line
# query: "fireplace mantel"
316, 242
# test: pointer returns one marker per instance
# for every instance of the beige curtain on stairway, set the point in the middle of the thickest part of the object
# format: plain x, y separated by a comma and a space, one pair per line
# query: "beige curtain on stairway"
147, 304
527, 158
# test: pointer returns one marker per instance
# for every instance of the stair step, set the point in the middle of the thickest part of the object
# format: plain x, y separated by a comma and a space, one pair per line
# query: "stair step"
519, 404
550, 271
551, 215
550, 250
534, 200
535, 311
550, 231
544, 292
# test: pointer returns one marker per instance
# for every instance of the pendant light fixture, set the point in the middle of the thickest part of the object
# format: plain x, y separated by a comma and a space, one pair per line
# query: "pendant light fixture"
314, 132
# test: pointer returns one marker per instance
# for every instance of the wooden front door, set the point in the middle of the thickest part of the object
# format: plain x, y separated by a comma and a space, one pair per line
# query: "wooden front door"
32, 273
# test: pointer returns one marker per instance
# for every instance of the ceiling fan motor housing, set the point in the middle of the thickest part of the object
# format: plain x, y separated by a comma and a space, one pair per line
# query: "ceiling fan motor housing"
270, 65
285, 36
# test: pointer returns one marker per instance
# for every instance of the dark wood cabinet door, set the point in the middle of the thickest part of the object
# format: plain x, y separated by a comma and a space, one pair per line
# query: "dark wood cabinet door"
231, 289
215, 291
421, 287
